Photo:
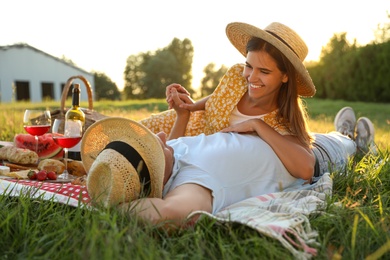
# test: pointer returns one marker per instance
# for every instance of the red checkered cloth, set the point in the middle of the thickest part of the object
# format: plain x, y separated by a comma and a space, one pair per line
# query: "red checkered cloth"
66, 193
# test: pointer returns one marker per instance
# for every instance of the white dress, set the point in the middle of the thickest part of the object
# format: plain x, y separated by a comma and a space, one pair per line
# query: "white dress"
233, 166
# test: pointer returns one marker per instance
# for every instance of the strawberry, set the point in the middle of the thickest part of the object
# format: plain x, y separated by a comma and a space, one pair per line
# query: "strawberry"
52, 175
41, 175
32, 175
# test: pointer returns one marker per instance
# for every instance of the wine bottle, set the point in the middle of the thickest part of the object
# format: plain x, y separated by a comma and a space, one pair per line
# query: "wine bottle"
75, 116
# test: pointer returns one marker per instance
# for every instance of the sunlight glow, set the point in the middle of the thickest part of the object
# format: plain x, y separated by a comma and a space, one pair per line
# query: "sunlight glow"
100, 35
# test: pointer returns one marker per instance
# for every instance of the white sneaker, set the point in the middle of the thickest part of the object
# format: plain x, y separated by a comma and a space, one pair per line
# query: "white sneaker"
365, 135
345, 122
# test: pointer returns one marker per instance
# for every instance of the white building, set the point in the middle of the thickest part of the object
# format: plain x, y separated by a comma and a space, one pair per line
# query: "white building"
29, 74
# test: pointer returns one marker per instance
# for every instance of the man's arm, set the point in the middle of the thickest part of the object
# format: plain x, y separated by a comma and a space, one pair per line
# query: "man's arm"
182, 118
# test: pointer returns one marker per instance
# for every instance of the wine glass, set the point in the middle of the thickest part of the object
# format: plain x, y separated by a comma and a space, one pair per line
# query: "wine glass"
66, 133
36, 122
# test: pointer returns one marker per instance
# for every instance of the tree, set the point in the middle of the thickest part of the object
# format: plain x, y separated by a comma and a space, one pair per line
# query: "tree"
147, 74
382, 33
334, 58
338, 45
67, 60
133, 75
158, 74
105, 88
353, 73
211, 79
183, 51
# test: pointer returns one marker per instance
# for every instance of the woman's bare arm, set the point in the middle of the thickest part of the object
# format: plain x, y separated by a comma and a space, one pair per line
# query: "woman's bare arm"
298, 159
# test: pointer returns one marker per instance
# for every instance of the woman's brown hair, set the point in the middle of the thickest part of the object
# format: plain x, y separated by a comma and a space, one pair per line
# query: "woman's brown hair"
292, 111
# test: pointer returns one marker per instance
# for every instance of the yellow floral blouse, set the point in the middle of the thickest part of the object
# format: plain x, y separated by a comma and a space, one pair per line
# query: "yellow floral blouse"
219, 107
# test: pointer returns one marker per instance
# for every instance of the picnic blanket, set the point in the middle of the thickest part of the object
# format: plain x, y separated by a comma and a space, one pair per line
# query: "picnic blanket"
282, 215
65, 193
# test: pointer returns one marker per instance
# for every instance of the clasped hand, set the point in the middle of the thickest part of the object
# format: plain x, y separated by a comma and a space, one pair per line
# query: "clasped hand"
179, 98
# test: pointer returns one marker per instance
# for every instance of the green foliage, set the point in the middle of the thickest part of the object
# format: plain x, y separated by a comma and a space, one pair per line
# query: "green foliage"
105, 88
354, 225
356, 222
354, 73
37, 229
382, 33
211, 79
147, 74
183, 51
321, 112
133, 75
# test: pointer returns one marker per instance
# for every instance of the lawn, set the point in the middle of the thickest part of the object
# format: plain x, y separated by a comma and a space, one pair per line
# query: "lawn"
354, 225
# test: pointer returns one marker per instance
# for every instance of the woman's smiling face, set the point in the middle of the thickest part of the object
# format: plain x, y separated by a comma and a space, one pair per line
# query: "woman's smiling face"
262, 74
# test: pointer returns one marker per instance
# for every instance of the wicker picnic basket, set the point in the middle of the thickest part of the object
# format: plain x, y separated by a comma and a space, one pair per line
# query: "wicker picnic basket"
91, 116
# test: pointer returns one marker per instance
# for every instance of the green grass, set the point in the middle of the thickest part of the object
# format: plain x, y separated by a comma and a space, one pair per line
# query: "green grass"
354, 225
48, 230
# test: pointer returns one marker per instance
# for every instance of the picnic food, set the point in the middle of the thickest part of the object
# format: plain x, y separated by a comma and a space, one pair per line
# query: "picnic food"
52, 165
4, 169
82, 181
18, 167
18, 175
32, 175
41, 175
76, 168
18, 155
47, 148
51, 175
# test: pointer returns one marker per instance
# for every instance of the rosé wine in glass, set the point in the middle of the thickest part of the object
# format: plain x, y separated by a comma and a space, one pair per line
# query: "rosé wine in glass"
36, 122
66, 133
66, 142
37, 129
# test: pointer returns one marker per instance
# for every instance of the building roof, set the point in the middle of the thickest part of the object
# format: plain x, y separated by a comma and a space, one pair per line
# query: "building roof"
25, 45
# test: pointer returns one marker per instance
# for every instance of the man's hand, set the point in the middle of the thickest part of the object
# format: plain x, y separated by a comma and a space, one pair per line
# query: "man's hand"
183, 94
177, 101
183, 115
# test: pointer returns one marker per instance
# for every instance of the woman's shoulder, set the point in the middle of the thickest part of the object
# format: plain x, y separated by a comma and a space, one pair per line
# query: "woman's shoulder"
238, 67
235, 73
278, 125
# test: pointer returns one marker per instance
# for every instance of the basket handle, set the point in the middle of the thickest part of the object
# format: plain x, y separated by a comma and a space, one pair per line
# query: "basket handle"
67, 87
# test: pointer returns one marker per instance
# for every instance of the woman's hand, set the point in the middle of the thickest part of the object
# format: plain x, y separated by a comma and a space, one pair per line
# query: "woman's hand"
183, 94
177, 101
183, 116
247, 126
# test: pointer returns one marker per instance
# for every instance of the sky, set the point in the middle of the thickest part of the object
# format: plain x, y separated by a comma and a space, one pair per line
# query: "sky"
99, 35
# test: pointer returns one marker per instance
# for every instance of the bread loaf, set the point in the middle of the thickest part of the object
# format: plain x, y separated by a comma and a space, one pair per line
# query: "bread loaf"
18, 155
52, 165
76, 168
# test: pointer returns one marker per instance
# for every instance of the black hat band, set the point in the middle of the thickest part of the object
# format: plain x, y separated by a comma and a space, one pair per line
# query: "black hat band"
136, 160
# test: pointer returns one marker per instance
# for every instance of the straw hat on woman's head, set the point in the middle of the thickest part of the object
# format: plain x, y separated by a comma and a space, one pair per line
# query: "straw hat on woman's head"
286, 40
123, 159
